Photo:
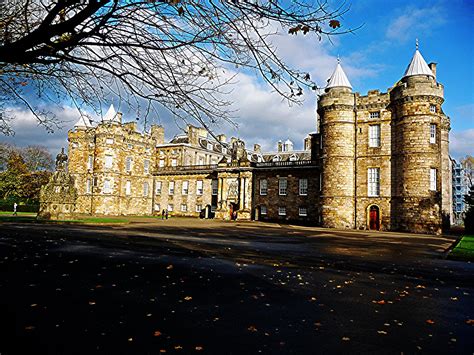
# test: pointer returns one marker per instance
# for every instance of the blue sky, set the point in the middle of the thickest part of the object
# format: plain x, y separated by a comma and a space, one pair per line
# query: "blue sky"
374, 57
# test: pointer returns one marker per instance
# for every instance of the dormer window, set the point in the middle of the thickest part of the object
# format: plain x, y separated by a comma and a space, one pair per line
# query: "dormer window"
375, 114
433, 108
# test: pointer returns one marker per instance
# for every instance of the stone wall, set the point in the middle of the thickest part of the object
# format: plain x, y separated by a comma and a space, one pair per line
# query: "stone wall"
292, 201
415, 207
336, 110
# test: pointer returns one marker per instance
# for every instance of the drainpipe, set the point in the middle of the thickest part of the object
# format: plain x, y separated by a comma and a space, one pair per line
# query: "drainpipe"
355, 162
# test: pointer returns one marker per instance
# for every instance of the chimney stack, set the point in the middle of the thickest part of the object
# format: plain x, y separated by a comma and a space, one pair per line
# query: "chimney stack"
432, 66
257, 148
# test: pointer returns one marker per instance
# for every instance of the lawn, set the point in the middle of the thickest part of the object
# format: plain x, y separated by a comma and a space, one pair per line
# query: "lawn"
464, 250
31, 217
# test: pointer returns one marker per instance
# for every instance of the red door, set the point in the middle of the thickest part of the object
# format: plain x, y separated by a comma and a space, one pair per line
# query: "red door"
374, 218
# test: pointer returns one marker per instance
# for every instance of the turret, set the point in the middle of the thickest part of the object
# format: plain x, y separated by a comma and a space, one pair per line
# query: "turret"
419, 149
337, 125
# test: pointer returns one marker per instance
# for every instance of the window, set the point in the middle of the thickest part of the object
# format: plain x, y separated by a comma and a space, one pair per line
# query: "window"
199, 187
375, 114
90, 162
282, 186
184, 207
320, 181
282, 211
146, 166
373, 179
171, 188
433, 179
263, 210
201, 161
213, 208
170, 208
374, 135
145, 189
214, 187
107, 189
130, 146
276, 158
128, 187
433, 108
128, 164
158, 188
198, 208
109, 141
88, 186
95, 181
185, 188
174, 162
303, 187
432, 133
108, 161
303, 212
157, 207
162, 163
263, 187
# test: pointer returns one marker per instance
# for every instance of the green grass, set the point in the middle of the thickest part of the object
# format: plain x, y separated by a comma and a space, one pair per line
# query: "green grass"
9, 213
27, 217
464, 250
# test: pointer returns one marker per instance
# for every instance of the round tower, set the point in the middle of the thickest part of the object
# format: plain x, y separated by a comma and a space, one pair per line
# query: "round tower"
418, 133
337, 124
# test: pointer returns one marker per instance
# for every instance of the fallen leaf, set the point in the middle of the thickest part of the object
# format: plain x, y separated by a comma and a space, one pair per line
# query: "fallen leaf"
91, 303
198, 348
346, 338
169, 267
188, 298
382, 332
430, 321
157, 333
470, 321
178, 347
162, 350
252, 328
381, 302
130, 339
29, 327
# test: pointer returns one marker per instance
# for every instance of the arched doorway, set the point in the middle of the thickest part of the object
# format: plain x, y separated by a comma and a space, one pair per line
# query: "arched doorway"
374, 217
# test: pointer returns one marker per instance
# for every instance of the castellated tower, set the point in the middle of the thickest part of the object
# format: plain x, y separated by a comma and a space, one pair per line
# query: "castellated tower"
419, 150
337, 124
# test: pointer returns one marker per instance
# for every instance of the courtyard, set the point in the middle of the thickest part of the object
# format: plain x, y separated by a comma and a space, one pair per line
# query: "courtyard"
181, 285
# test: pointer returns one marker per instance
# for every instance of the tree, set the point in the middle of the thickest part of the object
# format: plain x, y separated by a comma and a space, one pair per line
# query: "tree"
469, 215
12, 180
178, 54
37, 158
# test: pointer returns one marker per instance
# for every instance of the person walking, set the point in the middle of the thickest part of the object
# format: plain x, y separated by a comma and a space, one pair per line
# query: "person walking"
166, 214
15, 205
163, 214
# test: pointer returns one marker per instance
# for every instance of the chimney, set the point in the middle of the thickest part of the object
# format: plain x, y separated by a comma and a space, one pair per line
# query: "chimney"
158, 133
307, 143
221, 138
119, 117
432, 66
257, 149
280, 146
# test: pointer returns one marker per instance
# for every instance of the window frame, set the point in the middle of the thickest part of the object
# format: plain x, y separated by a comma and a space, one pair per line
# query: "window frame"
128, 188
263, 184
282, 210
171, 187
374, 136
303, 209
433, 179
433, 131
158, 187
263, 210
108, 161
128, 164
199, 189
303, 190
373, 182
282, 190
146, 189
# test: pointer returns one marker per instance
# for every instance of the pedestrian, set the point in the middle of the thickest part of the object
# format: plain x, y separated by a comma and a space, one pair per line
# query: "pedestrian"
163, 214
14, 208
166, 214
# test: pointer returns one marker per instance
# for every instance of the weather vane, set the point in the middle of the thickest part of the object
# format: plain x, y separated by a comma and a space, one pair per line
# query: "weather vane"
417, 44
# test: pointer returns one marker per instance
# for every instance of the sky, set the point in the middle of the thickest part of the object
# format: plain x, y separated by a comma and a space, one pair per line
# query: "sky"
375, 56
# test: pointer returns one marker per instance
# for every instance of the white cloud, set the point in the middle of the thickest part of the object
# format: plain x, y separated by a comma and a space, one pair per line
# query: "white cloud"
462, 143
29, 132
415, 22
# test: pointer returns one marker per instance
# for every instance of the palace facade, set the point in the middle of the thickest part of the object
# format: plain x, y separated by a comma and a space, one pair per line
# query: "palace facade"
377, 161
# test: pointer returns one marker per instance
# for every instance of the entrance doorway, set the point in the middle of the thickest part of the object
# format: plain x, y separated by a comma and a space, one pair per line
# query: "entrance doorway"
374, 217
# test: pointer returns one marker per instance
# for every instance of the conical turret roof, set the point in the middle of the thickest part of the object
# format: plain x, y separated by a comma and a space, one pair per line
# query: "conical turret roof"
111, 115
418, 65
83, 122
338, 78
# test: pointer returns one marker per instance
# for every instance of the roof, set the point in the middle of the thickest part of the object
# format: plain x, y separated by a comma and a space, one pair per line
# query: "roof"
83, 122
418, 66
111, 115
339, 78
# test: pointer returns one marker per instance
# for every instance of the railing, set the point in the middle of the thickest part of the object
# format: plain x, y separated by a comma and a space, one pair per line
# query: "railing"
186, 168
270, 164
